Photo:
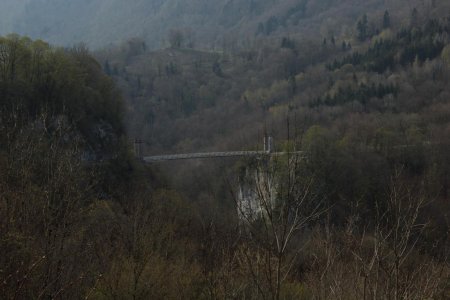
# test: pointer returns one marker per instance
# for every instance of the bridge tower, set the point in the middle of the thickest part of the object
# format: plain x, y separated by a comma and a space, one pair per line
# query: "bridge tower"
268, 144
138, 148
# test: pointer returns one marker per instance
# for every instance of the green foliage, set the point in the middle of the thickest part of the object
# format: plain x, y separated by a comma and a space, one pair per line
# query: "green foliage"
446, 55
363, 26
60, 125
361, 94
422, 42
386, 20
80, 218
269, 26
287, 43
40, 83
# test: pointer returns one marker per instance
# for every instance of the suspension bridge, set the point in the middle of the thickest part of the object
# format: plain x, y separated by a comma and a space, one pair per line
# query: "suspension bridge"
267, 151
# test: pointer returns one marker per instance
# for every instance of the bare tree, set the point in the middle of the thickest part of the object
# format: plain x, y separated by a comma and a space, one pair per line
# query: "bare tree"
399, 233
45, 185
384, 260
280, 204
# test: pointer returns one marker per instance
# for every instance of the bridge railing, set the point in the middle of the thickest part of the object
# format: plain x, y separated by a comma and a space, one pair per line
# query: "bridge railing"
204, 155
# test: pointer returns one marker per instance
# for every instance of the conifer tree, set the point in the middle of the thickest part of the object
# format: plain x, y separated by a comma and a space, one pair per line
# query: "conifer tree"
362, 27
386, 20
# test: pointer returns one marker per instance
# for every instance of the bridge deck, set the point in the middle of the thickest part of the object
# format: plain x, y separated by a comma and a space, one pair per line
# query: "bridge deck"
204, 155
159, 158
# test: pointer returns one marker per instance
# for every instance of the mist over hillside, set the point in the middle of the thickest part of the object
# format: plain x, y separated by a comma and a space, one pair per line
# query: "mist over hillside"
211, 22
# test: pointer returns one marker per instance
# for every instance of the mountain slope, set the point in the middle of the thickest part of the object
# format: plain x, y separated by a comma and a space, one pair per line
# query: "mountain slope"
357, 104
213, 22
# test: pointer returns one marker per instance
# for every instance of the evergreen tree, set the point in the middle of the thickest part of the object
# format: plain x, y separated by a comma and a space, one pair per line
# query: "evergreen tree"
414, 17
386, 20
107, 68
362, 27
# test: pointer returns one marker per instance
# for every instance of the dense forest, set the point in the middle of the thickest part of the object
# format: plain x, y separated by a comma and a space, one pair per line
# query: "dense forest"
354, 93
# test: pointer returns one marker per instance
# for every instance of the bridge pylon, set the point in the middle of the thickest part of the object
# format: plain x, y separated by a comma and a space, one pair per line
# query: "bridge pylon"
268, 144
138, 148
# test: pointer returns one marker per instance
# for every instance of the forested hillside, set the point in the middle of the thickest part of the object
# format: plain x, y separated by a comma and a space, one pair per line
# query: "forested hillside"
62, 147
208, 23
354, 93
384, 87
370, 108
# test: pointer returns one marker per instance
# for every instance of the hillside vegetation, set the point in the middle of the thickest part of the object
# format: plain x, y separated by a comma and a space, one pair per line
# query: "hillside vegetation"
358, 88
209, 23
369, 107
372, 93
